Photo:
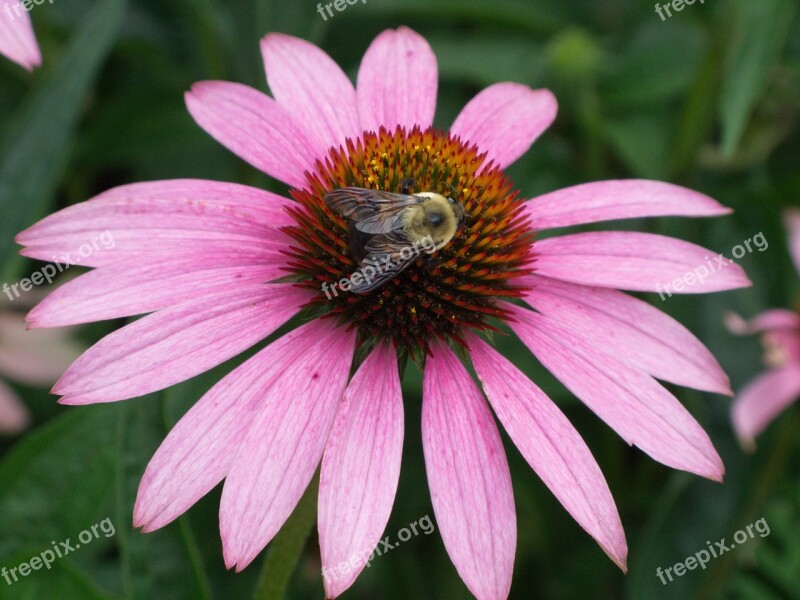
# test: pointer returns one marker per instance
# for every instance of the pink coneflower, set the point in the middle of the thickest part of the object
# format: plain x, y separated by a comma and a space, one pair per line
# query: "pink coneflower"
764, 398
17, 40
34, 358
197, 255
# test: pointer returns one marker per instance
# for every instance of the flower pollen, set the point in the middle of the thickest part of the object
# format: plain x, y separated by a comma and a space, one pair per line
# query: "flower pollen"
440, 293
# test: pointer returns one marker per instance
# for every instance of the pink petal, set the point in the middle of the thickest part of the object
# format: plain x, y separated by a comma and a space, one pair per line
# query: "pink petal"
505, 119
360, 469
630, 329
626, 199
313, 89
173, 247
34, 357
14, 415
642, 262
277, 458
553, 448
763, 399
159, 220
199, 451
17, 40
631, 402
468, 477
397, 82
791, 219
777, 318
132, 288
177, 343
195, 205
254, 127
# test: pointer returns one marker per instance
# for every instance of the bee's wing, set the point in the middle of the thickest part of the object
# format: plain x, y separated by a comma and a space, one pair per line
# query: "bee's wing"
385, 255
372, 211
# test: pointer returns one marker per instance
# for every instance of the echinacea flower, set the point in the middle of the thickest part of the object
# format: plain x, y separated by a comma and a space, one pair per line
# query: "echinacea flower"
17, 39
197, 254
770, 393
34, 358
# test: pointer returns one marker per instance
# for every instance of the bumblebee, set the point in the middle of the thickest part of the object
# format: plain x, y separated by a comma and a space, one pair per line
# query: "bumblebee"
388, 230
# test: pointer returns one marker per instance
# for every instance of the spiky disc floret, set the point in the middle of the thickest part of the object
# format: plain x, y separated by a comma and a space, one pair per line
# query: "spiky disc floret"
442, 293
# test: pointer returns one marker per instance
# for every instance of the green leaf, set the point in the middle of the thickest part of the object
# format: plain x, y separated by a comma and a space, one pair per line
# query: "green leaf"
649, 70
543, 17
36, 144
772, 557
698, 112
488, 60
164, 563
761, 30
55, 484
642, 141
69, 581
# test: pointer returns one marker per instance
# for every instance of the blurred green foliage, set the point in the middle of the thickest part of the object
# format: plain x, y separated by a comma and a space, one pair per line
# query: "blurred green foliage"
709, 98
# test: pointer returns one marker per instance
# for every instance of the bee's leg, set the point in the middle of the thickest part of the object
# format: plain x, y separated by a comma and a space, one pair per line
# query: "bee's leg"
407, 185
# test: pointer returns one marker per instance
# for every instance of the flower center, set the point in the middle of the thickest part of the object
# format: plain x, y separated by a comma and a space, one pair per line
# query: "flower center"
438, 294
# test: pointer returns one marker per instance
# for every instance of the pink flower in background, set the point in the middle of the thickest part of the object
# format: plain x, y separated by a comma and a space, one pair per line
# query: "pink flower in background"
14, 415
17, 40
769, 394
36, 358
196, 254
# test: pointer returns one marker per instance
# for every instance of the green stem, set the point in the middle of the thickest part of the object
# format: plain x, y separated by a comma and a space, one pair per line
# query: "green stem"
284, 552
